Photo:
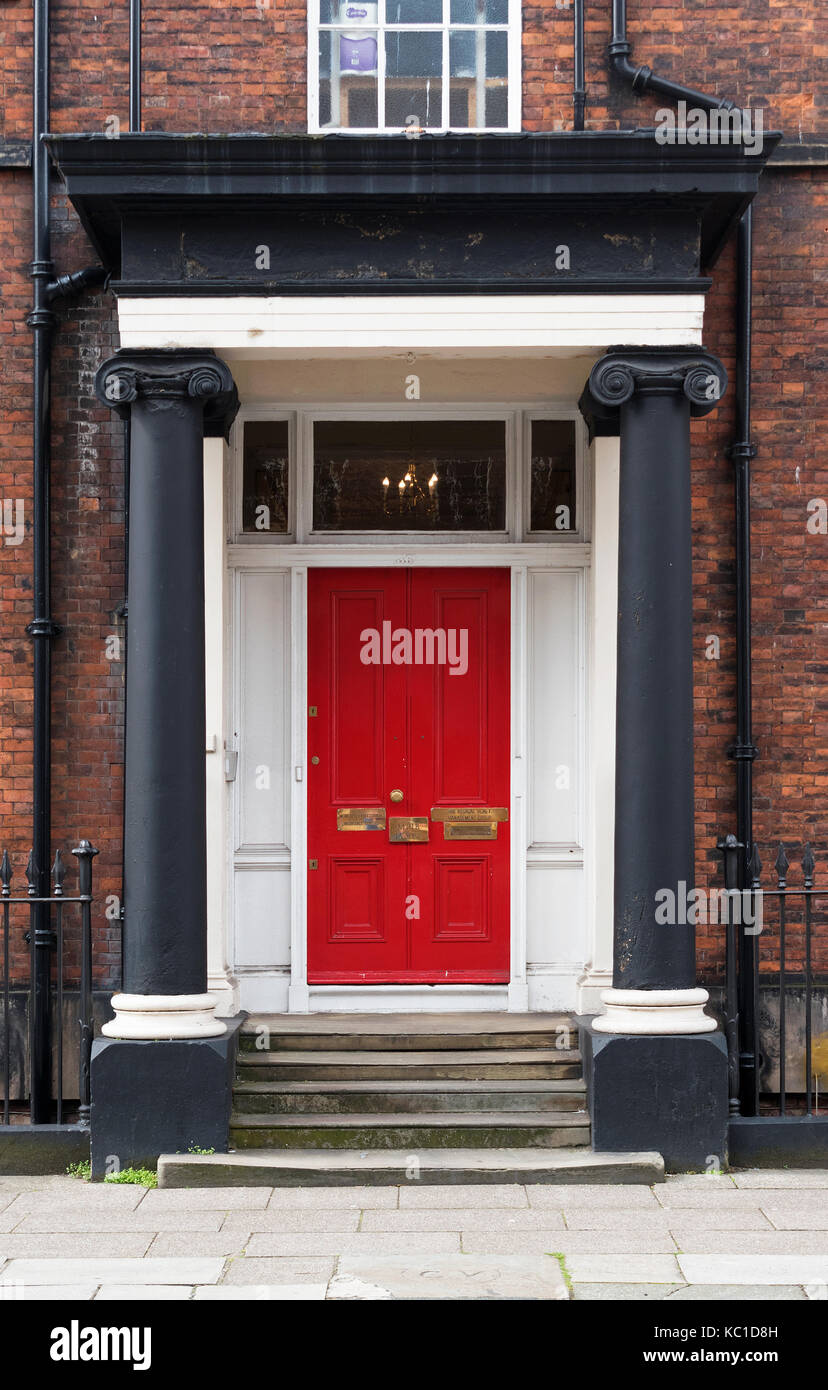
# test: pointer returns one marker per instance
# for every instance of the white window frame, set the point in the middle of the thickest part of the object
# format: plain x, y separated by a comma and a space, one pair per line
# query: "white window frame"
300, 474
512, 29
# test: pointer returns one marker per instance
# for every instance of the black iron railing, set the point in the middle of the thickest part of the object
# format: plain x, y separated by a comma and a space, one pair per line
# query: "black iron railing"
776, 987
53, 950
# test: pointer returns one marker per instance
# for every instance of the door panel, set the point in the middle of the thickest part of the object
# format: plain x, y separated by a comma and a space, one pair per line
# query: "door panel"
408, 675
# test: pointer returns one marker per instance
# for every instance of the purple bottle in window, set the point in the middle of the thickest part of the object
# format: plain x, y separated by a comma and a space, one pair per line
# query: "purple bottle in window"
357, 54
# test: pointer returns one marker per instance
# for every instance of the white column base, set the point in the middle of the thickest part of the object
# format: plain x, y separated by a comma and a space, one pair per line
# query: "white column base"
662, 1011
163, 1016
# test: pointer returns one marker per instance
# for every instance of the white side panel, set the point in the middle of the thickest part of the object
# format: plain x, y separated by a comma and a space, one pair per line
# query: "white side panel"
263, 707
555, 710
555, 904
603, 636
262, 916
220, 981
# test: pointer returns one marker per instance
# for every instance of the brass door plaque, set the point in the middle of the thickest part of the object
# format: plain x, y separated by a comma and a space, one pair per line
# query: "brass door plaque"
405, 830
469, 814
470, 830
361, 818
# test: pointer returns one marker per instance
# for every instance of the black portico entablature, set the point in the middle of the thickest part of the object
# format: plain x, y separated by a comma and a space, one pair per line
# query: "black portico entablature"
250, 214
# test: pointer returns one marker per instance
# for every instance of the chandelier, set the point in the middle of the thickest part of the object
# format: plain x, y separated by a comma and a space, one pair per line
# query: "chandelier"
410, 496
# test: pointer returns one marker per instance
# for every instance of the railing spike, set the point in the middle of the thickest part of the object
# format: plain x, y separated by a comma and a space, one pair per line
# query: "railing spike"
808, 866
782, 865
31, 874
5, 873
58, 874
754, 865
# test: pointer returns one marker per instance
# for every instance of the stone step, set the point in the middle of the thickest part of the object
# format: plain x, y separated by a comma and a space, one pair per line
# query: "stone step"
446, 1130
524, 1064
386, 1167
403, 1032
405, 1097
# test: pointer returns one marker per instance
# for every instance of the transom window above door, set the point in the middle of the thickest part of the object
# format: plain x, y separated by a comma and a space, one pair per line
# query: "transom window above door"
321, 475
414, 65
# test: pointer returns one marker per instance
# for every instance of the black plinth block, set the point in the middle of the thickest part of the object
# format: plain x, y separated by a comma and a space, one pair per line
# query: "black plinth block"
662, 1093
169, 1096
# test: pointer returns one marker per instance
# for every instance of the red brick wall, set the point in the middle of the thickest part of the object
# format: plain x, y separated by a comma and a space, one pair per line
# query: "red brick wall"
232, 66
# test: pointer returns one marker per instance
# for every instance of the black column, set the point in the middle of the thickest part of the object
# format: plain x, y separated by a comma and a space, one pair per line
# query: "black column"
162, 1071
172, 399
650, 396
655, 1064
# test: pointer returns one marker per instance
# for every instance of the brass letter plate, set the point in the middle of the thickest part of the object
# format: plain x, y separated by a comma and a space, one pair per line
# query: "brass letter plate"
470, 830
405, 830
361, 818
469, 814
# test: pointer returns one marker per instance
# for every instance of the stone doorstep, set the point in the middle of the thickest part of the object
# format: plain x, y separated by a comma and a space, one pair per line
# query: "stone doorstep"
343, 1168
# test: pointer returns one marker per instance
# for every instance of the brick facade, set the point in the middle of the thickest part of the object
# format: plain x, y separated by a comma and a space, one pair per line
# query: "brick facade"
240, 66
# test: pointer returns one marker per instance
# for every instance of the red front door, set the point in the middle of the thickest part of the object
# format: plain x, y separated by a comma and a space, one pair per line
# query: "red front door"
408, 776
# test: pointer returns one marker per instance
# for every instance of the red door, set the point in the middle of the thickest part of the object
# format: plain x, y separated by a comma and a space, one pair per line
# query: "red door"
408, 777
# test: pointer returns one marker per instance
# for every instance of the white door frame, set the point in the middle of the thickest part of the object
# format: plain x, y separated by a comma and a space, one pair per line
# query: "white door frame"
303, 997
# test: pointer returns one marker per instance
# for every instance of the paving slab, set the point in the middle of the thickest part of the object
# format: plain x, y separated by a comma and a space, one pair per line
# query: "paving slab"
682, 1293
624, 1269
360, 1243
47, 1293
206, 1199
8, 1221
782, 1178
708, 1182
737, 1293
566, 1243
77, 1246
754, 1269
491, 1196
128, 1223
694, 1199
114, 1271
591, 1196
247, 1271
332, 1198
35, 1182
644, 1222
218, 1243
699, 1239
448, 1277
583, 1292
461, 1219
795, 1219
281, 1293
111, 1197
302, 1220
144, 1293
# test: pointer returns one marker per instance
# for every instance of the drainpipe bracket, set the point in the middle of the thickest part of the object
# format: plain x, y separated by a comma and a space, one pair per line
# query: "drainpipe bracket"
44, 627
743, 752
41, 318
742, 450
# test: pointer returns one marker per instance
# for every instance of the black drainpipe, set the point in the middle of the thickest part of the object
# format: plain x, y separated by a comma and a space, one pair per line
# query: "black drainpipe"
579, 81
743, 750
643, 79
43, 629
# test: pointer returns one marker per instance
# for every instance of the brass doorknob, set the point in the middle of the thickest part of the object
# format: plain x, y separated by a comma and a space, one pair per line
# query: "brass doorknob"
396, 794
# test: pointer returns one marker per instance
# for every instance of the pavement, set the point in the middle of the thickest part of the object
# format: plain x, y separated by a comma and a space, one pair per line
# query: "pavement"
747, 1235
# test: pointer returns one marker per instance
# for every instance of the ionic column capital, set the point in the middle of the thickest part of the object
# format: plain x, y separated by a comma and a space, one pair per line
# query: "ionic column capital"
622, 373
168, 380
